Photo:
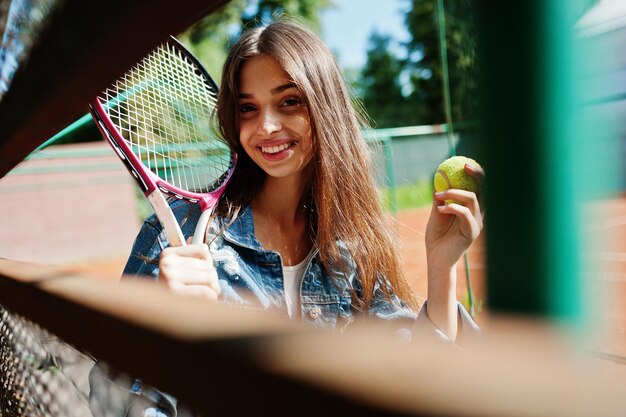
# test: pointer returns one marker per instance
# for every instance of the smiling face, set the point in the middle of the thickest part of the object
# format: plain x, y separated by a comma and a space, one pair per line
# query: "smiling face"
274, 123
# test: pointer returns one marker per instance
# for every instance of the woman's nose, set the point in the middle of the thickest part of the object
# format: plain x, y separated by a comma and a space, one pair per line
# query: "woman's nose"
269, 123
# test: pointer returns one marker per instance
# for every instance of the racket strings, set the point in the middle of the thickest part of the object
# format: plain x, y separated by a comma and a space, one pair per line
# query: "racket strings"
171, 173
164, 108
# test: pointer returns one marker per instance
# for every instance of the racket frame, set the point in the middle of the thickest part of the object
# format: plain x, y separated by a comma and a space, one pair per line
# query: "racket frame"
152, 186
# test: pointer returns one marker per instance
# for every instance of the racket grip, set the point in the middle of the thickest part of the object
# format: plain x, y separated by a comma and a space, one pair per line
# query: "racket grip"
166, 217
203, 222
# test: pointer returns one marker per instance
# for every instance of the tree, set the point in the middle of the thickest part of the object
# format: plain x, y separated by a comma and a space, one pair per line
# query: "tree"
409, 91
380, 86
424, 60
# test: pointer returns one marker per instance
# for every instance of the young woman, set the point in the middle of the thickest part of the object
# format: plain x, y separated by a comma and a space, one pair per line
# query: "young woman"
300, 228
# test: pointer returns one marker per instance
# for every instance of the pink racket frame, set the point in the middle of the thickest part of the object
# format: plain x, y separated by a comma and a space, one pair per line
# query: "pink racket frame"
153, 186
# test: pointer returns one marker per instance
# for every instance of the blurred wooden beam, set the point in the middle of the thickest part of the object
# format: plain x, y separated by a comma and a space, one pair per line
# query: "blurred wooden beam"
205, 354
83, 49
209, 355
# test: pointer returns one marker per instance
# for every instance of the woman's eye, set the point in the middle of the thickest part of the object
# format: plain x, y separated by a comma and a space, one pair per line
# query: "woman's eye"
246, 108
292, 101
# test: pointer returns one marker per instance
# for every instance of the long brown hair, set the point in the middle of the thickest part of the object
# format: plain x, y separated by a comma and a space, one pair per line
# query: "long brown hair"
342, 190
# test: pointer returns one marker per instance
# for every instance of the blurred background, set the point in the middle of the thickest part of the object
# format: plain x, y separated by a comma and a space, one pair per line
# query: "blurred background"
533, 90
416, 67
390, 58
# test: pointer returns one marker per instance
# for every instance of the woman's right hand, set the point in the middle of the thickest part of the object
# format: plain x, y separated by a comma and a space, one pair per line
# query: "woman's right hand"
189, 270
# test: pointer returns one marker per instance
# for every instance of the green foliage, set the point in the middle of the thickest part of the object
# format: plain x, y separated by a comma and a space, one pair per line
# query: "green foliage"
210, 38
408, 196
395, 91
408, 91
305, 10
424, 60
144, 209
380, 84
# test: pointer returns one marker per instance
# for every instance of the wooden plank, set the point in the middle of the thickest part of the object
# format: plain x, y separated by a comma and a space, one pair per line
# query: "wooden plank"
208, 354
205, 354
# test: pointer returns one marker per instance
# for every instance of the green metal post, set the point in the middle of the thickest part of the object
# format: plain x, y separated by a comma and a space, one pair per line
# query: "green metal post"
445, 78
530, 152
391, 174
447, 104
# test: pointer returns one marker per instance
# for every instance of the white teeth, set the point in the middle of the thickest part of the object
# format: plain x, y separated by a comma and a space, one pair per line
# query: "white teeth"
274, 149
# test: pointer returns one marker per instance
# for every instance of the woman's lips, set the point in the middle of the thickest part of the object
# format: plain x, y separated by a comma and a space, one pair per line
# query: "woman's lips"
276, 149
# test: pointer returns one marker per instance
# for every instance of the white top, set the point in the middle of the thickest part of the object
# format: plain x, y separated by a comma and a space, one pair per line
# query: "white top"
292, 281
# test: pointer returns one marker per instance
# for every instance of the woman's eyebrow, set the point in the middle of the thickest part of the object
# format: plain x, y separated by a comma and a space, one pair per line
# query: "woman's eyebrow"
275, 90
283, 87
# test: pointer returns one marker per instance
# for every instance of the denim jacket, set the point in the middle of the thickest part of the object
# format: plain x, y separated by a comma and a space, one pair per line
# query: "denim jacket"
251, 276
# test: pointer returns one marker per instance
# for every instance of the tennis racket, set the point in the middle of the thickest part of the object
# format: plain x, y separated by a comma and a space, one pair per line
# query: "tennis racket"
159, 118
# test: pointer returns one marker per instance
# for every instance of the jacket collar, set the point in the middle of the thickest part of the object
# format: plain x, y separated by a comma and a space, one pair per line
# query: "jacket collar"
241, 231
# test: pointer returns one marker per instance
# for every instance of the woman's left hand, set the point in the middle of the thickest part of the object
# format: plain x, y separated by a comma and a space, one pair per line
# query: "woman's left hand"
453, 227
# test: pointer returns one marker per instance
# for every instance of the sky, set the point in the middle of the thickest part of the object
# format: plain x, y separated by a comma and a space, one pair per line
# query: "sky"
347, 26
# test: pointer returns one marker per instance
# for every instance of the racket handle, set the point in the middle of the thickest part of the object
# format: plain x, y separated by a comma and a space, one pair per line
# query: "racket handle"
167, 219
200, 233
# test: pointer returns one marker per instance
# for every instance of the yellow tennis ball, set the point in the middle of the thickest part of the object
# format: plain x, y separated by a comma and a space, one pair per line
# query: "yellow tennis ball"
451, 174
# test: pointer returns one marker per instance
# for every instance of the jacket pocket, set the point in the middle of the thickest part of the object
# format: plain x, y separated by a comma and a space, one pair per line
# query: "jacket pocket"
321, 311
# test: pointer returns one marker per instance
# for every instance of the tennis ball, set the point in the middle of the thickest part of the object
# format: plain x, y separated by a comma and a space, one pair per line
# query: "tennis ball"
451, 174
